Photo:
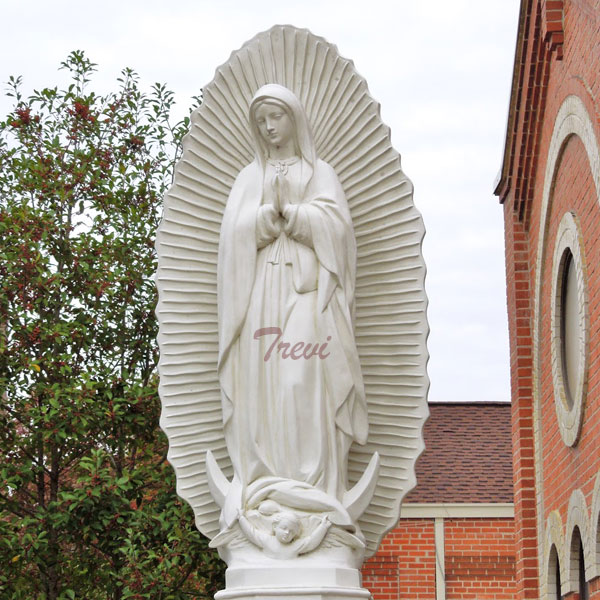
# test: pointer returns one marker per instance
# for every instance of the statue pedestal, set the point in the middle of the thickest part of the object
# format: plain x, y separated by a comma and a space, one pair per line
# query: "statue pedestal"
289, 583
290, 593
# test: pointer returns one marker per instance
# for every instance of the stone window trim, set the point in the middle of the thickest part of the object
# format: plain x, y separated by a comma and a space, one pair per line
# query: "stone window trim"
554, 538
561, 537
595, 530
569, 403
577, 519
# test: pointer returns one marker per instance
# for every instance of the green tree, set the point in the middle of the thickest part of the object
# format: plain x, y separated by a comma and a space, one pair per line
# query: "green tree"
87, 501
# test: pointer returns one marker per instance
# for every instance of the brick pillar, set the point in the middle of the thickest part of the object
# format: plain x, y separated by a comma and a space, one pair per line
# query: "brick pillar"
520, 311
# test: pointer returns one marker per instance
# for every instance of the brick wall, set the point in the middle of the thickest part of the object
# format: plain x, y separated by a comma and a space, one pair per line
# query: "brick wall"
404, 566
478, 555
566, 469
520, 309
480, 559
558, 55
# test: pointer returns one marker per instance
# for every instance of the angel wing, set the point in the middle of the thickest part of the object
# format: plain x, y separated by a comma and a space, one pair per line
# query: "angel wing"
390, 322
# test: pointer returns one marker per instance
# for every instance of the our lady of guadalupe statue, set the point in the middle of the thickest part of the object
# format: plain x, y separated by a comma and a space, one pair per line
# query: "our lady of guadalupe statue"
292, 320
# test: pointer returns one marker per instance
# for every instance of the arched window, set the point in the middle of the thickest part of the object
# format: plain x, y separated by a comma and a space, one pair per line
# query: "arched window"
584, 591
554, 575
578, 565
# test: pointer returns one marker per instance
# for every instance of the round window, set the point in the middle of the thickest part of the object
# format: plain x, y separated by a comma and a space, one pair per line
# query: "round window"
570, 329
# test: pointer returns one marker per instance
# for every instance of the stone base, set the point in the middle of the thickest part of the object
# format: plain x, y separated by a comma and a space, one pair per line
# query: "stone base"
293, 593
289, 583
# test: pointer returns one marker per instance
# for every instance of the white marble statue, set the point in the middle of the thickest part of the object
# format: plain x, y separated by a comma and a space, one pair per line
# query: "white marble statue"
292, 319
287, 242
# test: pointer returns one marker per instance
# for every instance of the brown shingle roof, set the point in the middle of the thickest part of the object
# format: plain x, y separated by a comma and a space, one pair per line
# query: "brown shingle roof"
468, 455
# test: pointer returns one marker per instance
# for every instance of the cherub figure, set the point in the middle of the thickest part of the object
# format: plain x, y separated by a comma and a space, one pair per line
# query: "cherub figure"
284, 541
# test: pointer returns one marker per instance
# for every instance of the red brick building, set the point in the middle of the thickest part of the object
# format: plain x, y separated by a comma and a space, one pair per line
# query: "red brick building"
549, 186
455, 538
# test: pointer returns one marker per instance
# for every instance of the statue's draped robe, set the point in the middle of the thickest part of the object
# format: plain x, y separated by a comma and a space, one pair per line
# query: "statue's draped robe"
286, 418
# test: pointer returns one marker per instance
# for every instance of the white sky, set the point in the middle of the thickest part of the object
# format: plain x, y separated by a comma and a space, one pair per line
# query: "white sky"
441, 71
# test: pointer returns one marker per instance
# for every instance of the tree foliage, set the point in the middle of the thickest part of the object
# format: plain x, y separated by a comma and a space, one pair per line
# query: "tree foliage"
87, 501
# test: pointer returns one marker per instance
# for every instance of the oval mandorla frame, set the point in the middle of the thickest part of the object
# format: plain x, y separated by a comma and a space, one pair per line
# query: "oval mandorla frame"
390, 322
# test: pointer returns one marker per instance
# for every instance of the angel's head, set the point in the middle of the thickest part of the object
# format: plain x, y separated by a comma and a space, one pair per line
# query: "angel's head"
278, 120
286, 527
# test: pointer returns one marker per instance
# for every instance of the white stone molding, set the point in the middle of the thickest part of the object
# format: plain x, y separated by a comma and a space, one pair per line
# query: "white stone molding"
553, 537
595, 531
570, 388
440, 559
572, 119
295, 593
577, 517
458, 511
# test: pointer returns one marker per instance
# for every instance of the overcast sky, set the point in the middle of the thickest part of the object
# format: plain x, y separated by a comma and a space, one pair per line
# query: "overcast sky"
441, 71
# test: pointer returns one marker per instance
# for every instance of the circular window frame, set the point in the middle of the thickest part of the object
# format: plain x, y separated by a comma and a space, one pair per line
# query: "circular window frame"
569, 414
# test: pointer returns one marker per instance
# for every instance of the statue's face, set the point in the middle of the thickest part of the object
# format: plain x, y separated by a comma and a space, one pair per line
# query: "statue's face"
274, 124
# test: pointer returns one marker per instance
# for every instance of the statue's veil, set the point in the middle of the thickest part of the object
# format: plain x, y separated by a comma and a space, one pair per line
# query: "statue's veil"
287, 99
390, 321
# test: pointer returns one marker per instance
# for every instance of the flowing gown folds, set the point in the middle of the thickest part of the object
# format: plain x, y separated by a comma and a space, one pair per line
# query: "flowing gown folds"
289, 418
